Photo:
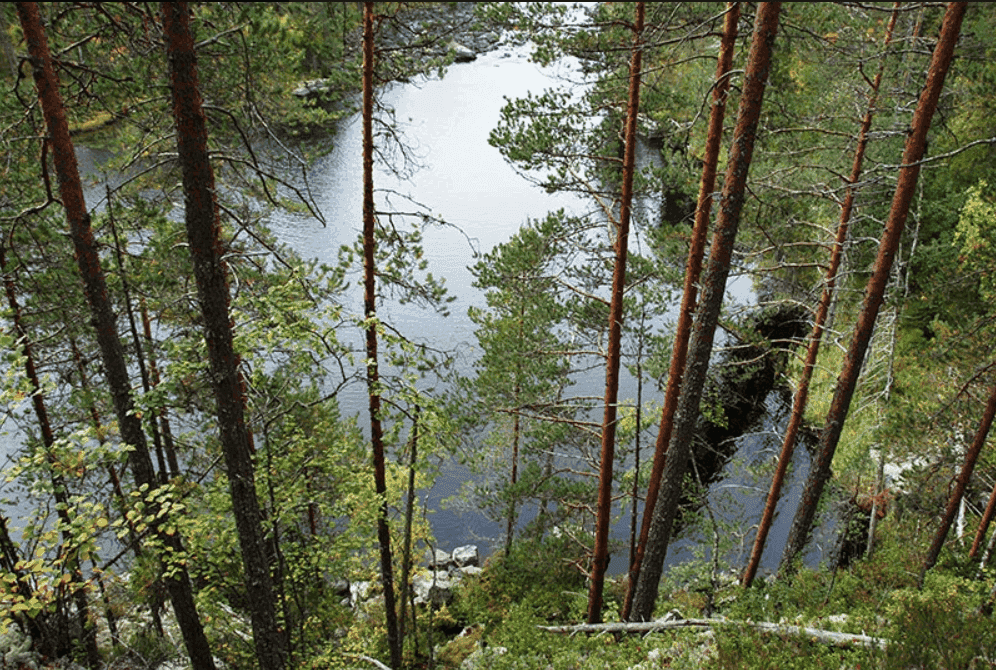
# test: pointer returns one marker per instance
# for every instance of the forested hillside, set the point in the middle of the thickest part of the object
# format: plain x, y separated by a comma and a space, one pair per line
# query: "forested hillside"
221, 452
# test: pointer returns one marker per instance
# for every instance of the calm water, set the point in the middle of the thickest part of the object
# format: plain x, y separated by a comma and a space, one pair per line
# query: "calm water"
467, 183
464, 181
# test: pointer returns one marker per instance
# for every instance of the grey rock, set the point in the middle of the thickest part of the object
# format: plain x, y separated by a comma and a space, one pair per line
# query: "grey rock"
435, 588
469, 571
438, 559
466, 555
461, 54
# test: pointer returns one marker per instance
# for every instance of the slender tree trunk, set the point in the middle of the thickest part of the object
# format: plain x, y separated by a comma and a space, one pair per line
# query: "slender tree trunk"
406, 552
203, 234
516, 440
394, 641
714, 287
987, 518
600, 561
60, 490
167, 432
693, 268
961, 483
105, 324
514, 476
157, 444
915, 145
816, 336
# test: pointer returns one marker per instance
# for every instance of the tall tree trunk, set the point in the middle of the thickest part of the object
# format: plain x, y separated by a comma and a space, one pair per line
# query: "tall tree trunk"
714, 286
816, 336
206, 250
693, 268
105, 324
961, 483
394, 641
987, 518
600, 560
915, 145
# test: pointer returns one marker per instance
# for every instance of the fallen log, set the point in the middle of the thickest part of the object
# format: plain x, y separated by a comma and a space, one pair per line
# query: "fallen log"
817, 634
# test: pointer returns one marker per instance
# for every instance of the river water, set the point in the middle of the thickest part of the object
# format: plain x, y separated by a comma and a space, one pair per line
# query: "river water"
462, 179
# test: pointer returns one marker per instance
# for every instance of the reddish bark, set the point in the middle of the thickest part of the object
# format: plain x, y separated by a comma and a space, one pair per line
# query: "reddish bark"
987, 518
874, 293
394, 641
105, 323
707, 316
693, 268
206, 250
601, 554
802, 393
961, 483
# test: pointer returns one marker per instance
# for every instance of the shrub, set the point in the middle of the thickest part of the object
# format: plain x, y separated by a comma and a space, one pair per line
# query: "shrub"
940, 626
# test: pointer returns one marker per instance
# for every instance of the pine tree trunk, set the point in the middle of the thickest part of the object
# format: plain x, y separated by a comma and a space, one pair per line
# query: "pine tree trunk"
203, 235
961, 483
394, 641
874, 293
693, 268
105, 323
815, 337
707, 316
600, 561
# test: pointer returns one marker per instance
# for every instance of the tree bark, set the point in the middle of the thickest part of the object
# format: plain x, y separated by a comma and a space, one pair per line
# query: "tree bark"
693, 268
961, 483
105, 323
717, 272
394, 641
206, 250
874, 293
816, 336
601, 554
987, 518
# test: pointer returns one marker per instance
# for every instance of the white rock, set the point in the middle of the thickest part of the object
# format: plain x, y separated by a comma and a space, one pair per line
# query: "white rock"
466, 555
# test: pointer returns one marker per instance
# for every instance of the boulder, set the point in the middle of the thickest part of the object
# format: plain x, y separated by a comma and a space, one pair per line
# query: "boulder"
468, 571
438, 559
434, 588
359, 592
466, 555
313, 88
461, 54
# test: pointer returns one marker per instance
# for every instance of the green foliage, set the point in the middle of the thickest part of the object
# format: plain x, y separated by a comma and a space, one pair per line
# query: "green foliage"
974, 235
941, 626
738, 648
539, 577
